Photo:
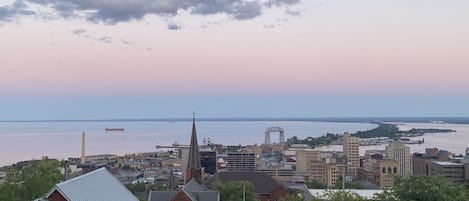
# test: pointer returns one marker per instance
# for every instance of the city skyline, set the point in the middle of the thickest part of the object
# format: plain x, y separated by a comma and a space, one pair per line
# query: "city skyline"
267, 58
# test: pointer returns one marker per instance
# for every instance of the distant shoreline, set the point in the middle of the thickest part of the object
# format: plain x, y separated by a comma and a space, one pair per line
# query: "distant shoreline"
439, 120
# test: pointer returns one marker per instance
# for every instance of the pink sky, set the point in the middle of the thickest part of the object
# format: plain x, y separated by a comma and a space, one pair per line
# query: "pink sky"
332, 47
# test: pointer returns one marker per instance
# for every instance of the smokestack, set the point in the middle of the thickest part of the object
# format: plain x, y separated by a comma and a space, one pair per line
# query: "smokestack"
82, 159
65, 169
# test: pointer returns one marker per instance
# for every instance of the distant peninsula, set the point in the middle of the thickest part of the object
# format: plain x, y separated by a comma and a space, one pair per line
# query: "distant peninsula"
392, 131
383, 130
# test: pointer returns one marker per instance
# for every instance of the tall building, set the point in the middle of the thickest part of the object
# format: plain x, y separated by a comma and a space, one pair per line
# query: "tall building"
401, 153
351, 150
241, 162
193, 169
208, 160
304, 158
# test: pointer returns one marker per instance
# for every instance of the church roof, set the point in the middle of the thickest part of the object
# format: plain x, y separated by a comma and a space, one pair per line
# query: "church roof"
194, 155
193, 189
97, 185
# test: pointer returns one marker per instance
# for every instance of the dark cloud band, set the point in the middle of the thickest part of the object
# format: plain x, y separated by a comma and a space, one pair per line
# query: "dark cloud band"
115, 11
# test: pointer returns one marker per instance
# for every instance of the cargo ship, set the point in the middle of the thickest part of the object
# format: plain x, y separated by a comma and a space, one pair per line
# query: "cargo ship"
114, 129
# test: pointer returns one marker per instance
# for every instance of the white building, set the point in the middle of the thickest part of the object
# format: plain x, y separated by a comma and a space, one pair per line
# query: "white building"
400, 152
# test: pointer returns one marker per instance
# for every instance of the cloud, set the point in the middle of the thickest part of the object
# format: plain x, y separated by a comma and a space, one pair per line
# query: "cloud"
271, 3
126, 42
292, 12
79, 31
111, 12
174, 26
104, 39
9, 12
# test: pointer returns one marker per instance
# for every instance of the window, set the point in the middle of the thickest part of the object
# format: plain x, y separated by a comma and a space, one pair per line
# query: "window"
384, 170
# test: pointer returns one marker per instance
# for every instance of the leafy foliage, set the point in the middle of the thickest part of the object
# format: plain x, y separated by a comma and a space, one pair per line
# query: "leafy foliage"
293, 198
337, 196
421, 188
313, 184
348, 185
315, 141
233, 191
30, 182
383, 130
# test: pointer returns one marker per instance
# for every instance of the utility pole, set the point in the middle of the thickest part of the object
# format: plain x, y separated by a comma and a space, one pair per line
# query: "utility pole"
344, 166
244, 190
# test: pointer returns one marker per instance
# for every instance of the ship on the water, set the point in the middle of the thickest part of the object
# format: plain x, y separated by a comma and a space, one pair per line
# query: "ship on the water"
114, 129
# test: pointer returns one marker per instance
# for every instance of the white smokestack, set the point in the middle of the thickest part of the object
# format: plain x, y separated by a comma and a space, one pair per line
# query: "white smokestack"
83, 159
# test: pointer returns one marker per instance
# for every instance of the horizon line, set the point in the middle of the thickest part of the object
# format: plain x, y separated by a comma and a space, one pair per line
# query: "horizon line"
318, 119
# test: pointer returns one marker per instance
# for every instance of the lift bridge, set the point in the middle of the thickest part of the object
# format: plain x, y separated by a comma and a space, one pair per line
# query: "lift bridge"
274, 129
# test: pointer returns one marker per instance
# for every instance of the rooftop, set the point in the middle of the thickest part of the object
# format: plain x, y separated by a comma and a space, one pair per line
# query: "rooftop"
447, 163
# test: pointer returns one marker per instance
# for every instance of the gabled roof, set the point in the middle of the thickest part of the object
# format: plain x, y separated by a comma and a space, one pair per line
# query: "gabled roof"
192, 185
263, 183
193, 189
96, 185
161, 195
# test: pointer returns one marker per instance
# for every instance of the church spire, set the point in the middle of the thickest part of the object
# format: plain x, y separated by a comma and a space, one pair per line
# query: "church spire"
171, 182
194, 155
193, 166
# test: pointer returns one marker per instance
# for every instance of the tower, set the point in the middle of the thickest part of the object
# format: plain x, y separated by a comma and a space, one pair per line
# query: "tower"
351, 150
401, 153
82, 159
193, 166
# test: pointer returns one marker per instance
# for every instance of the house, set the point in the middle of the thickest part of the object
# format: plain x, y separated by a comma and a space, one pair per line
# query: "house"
96, 185
265, 187
192, 191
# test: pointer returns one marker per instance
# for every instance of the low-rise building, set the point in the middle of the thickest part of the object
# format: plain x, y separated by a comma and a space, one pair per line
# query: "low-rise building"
452, 171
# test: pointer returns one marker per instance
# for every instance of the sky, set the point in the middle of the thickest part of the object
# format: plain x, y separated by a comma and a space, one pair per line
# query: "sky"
99, 59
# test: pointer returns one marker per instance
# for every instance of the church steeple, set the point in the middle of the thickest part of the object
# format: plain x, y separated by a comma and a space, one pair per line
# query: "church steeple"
171, 183
193, 166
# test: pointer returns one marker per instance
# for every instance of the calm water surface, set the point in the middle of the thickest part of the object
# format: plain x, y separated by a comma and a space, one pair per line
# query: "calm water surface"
28, 140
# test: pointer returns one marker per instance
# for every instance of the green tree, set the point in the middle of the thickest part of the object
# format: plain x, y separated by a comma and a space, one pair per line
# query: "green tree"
136, 188
348, 185
233, 191
422, 188
297, 195
313, 184
30, 182
332, 195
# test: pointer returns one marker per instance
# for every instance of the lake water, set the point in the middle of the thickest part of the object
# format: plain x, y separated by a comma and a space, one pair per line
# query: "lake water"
455, 142
32, 140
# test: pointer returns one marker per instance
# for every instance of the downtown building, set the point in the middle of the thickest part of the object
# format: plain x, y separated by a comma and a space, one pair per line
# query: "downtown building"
351, 147
401, 153
319, 166
241, 162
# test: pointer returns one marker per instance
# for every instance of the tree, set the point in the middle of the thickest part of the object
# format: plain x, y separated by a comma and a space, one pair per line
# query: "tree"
335, 195
297, 195
30, 182
313, 184
348, 185
233, 191
423, 188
